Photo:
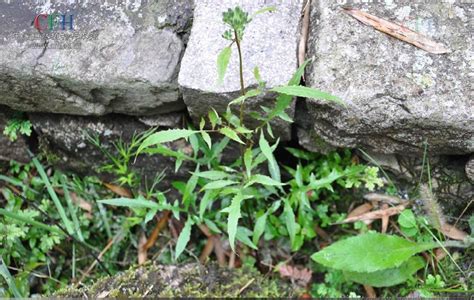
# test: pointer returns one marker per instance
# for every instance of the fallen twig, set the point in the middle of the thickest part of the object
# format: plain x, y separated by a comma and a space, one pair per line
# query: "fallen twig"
400, 32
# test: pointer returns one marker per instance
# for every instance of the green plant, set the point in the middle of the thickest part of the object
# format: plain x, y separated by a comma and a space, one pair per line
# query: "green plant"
121, 157
17, 124
241, 188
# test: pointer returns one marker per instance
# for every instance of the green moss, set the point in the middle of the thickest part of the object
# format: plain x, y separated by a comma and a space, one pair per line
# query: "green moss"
190, 280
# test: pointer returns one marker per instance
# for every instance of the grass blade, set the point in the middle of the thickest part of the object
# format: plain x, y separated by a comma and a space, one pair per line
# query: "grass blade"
62, 213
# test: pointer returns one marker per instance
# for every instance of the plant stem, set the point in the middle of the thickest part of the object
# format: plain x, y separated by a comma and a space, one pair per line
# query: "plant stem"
241, 73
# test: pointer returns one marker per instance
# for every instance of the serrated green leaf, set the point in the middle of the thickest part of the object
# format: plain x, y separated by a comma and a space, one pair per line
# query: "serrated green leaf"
233, 219
228, 132
184, 237
259, 228
248, 161
218, 184
369, 252
267, 151
291, 224
190, 187
264, 180
306, 92
164, 137
30, 221
295, 80
242, 235
388, 277
205, 201
131, 203
212, 175
223, 62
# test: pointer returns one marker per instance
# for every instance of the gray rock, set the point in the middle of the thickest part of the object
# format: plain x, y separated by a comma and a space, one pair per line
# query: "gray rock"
397, 95
63, 141
121, 57
269, 42
16, 150
469, 168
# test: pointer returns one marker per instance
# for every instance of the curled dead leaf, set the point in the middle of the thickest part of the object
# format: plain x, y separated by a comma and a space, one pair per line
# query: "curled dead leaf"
119, 190
453, 233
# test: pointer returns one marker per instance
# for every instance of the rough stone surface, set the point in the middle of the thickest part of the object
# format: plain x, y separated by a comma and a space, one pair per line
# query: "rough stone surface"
470, 169
397, 95
63, 141
121, 57
269, 42
9, 150
190, 280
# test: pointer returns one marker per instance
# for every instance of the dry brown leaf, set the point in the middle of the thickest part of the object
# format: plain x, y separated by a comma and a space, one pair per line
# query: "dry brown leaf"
383, 198
159, 226
398, 31
360, 210
440, 254
453, 233
119, 190
377, 214
80, 202
300, 276
142, 251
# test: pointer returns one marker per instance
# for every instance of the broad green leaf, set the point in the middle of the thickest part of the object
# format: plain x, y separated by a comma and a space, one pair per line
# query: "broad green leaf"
212, 175
223, 62
407, 219
218, 184
369, 252
214, 118
59, 207
272, 163
248, 161
388, 277
212, 226
291, 224
184, 237
259, 228
131, 203
306, 92
205, 201
164, 137
207, 138
264, 180
233, 220
228, 132
31, 222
